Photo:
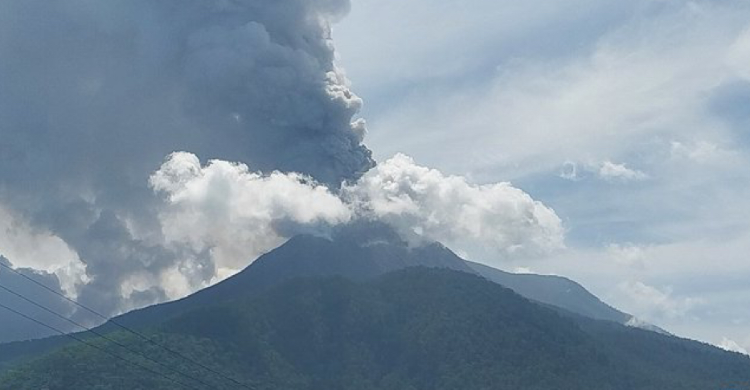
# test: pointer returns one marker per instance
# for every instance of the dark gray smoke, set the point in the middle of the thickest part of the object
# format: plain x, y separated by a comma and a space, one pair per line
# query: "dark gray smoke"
94, 94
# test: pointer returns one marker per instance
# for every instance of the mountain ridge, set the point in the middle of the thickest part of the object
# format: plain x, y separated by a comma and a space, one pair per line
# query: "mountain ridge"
413, 329
359, 252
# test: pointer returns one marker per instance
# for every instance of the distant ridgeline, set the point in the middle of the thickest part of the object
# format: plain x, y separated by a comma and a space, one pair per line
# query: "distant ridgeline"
374, 314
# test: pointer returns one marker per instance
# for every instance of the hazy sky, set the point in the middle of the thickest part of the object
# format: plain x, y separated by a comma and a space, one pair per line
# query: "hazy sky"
630, 119
152, 148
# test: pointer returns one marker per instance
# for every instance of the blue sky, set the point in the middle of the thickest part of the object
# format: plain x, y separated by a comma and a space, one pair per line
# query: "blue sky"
630, 119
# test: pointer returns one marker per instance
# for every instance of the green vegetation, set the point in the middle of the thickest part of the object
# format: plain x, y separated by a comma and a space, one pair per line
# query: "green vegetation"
360, 252
413, 329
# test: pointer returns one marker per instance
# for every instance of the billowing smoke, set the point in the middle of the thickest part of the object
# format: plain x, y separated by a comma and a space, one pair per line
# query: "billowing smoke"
35, 248
96, 93
97, 96
125, 82
419, 202
237, 214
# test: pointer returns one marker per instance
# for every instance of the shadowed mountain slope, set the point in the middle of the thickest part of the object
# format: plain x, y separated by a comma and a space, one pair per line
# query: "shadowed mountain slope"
554, 290
359, 252
412, 329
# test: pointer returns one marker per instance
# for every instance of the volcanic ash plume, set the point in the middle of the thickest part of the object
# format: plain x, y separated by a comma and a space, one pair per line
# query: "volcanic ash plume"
238, 214
96, 93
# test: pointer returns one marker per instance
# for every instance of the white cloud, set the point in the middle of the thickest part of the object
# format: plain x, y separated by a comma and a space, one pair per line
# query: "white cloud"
636, 322
523, 271
238, 214
500, 218
651, 303
619, 172
627, 254
235, 213
704, 152
29, 247
217, 218
732, 346
606, 170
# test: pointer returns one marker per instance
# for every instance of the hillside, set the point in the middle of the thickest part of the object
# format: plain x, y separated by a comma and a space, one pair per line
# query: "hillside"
555, 291
364, 251
359, 252
413, 329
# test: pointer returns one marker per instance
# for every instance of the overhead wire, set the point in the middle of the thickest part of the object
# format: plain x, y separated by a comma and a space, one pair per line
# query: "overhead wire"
128, 329
101, 349
104, 337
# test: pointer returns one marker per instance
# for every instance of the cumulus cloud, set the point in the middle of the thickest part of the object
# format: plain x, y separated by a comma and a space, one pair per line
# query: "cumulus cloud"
425, 203
237, 214
233, 214
41, 250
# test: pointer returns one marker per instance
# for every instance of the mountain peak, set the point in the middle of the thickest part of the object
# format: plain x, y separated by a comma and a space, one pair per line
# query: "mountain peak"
358, 251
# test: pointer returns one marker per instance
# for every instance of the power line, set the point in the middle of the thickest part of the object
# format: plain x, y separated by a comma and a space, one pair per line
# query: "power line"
105, 337
103, 350
127, 329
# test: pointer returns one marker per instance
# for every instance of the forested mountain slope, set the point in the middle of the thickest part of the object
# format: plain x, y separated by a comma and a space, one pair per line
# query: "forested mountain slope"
359, 252
413, 329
